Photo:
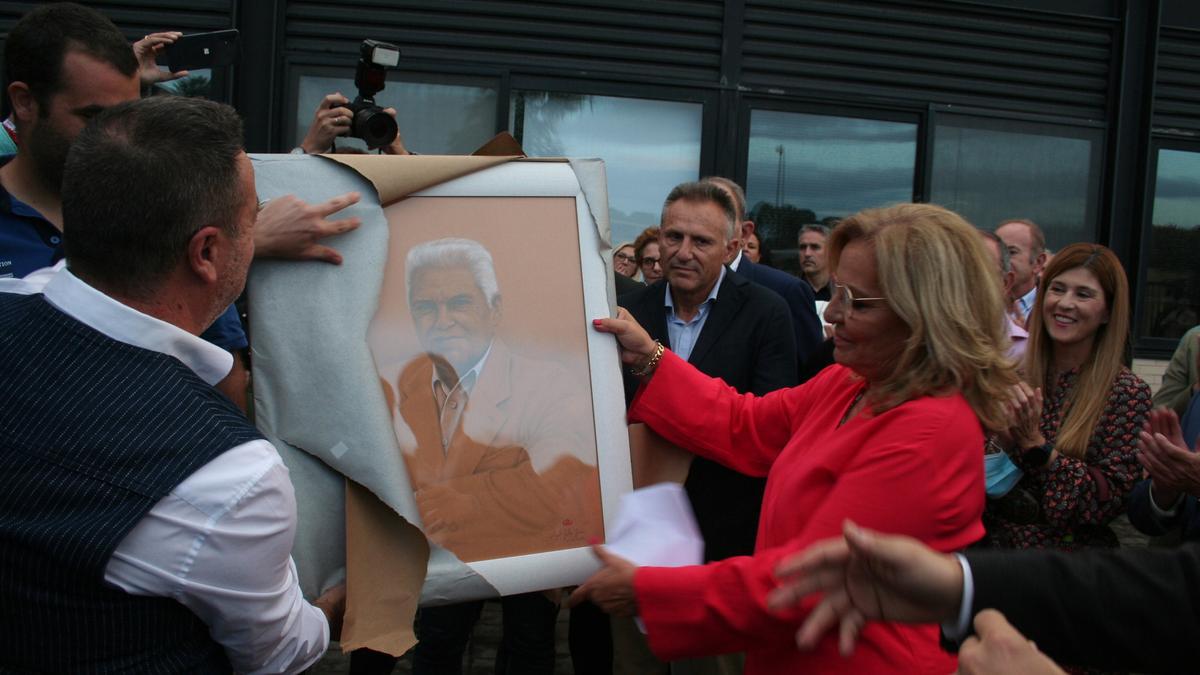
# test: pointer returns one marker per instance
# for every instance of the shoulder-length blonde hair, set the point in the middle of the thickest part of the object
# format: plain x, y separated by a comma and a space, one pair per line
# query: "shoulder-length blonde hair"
940, 280
1097, 373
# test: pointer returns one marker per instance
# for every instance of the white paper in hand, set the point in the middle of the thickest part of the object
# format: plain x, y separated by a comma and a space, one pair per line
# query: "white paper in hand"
655, 526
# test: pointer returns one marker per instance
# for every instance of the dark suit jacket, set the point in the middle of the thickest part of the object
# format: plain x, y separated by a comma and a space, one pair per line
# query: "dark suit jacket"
798, 295
626, 285
748, 342
1133, 609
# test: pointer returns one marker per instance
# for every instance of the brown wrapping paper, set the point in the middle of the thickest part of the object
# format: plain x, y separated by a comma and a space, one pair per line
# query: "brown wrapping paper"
654, 459
383, 575
419, 172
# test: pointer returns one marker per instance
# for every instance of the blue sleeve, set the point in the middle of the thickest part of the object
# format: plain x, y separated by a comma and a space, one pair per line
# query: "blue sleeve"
1142, 516
1191, 421
809, 333
226, 332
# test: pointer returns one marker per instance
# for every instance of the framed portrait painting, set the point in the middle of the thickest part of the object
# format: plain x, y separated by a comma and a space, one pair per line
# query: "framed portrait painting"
471, 395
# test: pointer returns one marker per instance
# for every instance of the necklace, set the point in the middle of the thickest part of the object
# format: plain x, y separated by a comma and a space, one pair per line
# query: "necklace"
853, 404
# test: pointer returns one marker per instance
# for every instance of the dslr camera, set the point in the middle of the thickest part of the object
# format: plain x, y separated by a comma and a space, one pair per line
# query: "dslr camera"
369, 121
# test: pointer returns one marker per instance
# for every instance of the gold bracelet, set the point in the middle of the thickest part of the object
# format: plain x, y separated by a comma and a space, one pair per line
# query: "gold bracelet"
651, 363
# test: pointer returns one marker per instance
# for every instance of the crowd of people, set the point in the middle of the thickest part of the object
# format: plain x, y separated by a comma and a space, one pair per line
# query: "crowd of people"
915, 447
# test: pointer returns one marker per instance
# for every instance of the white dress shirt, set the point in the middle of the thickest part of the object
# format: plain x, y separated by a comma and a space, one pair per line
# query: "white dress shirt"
958, 629
220, 543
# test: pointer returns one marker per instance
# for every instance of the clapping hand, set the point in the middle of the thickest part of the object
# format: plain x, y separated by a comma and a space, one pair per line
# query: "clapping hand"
1174, 468
1025, 411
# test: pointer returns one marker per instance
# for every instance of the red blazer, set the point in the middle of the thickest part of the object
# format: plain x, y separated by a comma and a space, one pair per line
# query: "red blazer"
913, 470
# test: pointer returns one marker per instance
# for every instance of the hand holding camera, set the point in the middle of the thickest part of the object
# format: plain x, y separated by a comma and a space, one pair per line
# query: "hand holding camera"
331, 120
362, 118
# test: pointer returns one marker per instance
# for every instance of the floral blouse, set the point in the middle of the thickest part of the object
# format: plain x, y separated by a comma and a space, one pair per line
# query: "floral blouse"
1079, 497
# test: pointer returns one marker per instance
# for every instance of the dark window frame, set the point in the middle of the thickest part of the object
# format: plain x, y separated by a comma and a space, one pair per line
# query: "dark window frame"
1148, 346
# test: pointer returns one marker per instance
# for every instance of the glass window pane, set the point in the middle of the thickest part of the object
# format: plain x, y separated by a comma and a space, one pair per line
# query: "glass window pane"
992, 170
434, 119
805, 168
648, 147
1170, 302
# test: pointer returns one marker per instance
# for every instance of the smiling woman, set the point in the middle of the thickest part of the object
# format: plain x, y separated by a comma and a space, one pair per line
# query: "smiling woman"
1079, 415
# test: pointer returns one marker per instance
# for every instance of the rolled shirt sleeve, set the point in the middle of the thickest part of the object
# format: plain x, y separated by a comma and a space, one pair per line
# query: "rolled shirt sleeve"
220, 543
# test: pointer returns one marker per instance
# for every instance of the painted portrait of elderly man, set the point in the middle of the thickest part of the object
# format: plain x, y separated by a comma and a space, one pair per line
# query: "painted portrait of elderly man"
499, 445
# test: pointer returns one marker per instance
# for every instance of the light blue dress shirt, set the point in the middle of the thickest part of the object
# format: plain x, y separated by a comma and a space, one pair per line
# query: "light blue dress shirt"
683, 334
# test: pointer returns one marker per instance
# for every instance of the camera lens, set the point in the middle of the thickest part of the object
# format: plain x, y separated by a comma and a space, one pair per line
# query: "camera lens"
374, 126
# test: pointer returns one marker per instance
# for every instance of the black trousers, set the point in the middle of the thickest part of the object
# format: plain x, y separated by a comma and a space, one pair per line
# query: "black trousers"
526, 646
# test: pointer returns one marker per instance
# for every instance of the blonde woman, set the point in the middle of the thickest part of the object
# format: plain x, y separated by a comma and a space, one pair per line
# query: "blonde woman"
1080, 410
890, 436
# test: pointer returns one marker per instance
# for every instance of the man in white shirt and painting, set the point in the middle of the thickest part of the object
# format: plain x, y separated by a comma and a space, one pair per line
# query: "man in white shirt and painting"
147, 525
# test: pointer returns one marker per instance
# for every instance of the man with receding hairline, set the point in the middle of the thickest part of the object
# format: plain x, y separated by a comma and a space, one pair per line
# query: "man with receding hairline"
728, 327
1027, 246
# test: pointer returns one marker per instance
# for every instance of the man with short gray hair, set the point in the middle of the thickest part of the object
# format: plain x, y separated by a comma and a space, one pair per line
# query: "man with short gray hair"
727, 327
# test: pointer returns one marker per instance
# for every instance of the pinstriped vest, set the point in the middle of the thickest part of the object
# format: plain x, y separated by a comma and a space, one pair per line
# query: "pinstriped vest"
93, 433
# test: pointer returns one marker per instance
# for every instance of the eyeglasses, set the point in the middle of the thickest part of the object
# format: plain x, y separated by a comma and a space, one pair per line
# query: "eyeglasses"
843, 295
650, 262
625, 257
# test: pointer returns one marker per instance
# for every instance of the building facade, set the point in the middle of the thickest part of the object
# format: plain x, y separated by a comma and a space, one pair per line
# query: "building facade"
1082, 115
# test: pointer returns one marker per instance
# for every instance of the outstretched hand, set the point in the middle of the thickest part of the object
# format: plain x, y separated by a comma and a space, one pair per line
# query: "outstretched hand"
867, 576
287, 227
147, 50
610, 589
636, 344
